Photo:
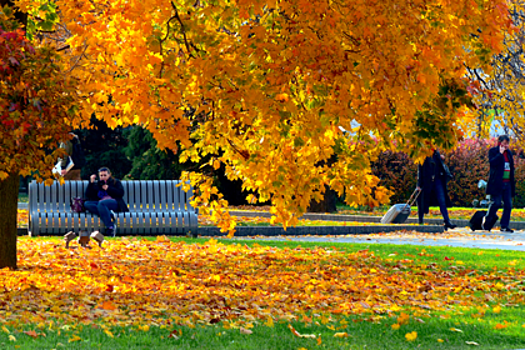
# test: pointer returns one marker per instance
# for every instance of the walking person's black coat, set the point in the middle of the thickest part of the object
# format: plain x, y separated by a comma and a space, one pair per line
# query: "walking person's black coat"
497, 168
426, 176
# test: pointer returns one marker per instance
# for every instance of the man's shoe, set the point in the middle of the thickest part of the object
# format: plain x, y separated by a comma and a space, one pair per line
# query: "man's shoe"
506, 229
112, 214
450, 226
111, 231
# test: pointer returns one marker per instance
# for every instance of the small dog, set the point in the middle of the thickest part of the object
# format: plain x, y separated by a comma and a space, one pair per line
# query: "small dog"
84, 238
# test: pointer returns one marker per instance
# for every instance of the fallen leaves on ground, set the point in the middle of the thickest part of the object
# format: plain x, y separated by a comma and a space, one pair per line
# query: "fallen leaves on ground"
23, 217
141, 282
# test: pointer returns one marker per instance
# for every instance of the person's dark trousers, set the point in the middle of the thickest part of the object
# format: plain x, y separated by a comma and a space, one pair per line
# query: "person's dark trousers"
506, 196
439, 191
420, 212
102, 209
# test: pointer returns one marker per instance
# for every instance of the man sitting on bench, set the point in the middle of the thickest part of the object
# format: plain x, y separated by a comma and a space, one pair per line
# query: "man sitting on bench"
104, 196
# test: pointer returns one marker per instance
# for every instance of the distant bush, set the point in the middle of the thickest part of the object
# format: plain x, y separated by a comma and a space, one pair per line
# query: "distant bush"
398, 173
468, 163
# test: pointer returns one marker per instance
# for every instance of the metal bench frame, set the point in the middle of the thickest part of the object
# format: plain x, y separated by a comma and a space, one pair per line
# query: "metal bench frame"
156, 207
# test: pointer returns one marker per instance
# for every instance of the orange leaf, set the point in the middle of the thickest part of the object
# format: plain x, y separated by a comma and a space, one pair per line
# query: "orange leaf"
108, 305
32, 334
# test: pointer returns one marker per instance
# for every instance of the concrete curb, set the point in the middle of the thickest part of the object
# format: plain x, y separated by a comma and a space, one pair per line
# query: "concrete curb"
317, 230
211, 231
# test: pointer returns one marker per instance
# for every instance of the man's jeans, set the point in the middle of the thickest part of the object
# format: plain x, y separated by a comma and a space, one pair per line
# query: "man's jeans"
506, 196
102, 209
438, 191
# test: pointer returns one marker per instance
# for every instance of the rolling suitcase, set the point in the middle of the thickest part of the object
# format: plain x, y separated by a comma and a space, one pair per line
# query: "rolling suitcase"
398, 213
476, 221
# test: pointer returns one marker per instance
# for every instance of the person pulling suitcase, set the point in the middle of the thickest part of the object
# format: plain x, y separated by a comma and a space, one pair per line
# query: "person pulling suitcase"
501, 185
432, 178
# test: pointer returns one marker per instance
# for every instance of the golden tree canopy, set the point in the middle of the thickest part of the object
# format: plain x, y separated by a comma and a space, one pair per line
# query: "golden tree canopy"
289, 95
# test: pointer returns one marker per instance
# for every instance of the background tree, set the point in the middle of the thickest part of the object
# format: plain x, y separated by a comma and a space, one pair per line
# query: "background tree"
148, 162
500, 90
37, 109
104, 146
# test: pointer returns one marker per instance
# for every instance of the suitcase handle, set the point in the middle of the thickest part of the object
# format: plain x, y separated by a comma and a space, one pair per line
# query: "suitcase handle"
412, 201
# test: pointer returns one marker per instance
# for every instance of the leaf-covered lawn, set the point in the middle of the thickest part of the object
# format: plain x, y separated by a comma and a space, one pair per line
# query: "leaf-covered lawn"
138, 284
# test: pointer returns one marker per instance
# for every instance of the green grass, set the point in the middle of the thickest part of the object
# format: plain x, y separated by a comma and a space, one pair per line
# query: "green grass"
308, 223
372, 331
361, 333
479, 259
23, 197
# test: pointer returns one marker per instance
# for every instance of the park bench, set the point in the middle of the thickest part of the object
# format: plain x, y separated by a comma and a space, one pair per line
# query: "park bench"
156, 207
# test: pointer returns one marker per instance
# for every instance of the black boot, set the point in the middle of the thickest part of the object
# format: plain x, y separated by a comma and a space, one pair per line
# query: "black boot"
449, 225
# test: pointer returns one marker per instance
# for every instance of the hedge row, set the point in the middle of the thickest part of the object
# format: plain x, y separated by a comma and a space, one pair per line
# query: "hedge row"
468, 163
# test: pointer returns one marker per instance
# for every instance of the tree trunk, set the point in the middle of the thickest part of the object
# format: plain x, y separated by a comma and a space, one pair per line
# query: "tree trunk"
326, 205
8, 220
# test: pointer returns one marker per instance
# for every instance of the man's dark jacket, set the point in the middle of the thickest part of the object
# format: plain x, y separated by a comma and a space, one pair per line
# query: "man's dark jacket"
497, 168
115, 190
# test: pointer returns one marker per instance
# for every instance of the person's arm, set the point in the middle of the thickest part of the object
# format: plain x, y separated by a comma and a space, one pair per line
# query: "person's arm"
495, 157
419, 175
92, 189
69, 149
115, 189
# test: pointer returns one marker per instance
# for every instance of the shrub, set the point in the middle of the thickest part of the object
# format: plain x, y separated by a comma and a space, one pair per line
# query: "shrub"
468, 163
398, 173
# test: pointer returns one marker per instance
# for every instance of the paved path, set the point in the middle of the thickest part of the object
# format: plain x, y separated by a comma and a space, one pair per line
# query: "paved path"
460, 237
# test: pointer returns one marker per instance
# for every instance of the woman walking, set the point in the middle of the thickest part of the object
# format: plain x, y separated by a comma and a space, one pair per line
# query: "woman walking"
432, 178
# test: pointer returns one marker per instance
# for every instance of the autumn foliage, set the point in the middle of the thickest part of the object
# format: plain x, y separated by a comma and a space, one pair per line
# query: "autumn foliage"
36, 104
272, 90
135, 282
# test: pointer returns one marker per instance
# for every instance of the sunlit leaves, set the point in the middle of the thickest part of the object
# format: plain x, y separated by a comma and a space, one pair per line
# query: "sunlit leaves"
286, 95
143, 283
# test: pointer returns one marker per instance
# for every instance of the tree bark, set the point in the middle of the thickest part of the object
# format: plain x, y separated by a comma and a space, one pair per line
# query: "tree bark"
326, 205
8, 220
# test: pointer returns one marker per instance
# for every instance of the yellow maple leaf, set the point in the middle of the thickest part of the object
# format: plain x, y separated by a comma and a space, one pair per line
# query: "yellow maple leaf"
74, 338
341, 335
411, 336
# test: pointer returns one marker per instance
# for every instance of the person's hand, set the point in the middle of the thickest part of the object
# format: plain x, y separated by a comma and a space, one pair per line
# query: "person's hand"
502, 149
63, 172
443, 156
105, 187
418, 188
92, 178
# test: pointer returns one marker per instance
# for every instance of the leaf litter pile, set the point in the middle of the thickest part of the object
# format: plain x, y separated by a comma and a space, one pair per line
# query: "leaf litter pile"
137, 282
